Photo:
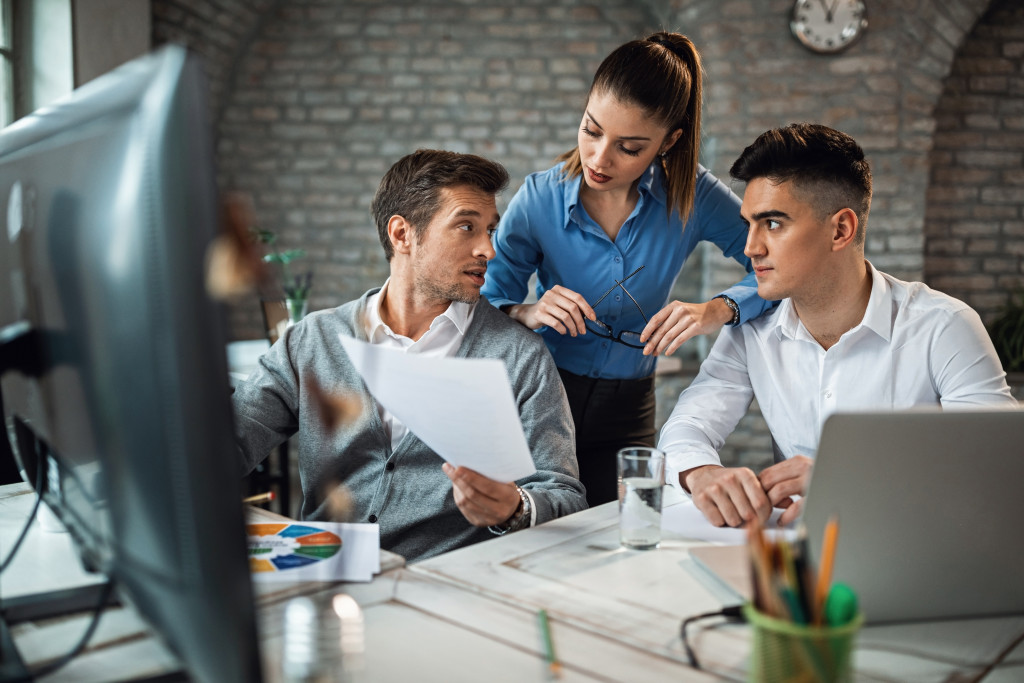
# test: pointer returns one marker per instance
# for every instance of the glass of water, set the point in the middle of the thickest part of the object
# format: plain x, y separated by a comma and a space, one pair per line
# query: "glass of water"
641, 482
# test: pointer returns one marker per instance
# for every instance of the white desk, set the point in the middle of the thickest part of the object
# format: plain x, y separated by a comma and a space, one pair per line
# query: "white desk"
243, 357
469, 615
575, 569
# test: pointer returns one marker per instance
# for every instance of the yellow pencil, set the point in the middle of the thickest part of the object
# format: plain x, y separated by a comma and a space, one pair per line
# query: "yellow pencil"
828, 556
259, 498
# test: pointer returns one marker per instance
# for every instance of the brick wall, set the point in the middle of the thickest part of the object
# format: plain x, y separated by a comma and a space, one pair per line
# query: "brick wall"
974, 234
882, 91
326, 95
312, 100
221, 31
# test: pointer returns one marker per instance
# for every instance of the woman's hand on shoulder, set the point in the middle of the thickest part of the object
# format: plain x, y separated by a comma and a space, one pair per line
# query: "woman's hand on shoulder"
679, 322
560, 308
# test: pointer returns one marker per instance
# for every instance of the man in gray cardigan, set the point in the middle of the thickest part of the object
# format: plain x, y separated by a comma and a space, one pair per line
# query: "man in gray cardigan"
435, 213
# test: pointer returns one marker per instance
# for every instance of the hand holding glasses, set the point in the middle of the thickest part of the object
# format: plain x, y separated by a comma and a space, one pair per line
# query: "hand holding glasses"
567, 312
625, 337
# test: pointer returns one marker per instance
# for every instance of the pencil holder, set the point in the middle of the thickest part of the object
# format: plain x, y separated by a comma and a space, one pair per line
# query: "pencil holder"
784, 651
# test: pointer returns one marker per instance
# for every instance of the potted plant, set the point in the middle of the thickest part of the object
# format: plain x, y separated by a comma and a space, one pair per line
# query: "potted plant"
295, 287
1007, 332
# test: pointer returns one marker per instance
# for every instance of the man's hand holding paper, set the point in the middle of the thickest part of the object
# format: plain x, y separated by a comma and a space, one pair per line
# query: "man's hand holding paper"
462, 408
483, 501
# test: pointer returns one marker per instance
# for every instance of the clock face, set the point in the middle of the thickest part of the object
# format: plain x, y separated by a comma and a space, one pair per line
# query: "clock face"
828, 25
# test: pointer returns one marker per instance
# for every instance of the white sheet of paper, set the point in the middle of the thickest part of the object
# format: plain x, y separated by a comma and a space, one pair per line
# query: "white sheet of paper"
462, 408
309, 551
686, 520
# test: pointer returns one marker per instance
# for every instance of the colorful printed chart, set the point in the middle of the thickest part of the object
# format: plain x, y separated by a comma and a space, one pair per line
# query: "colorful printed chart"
283, 547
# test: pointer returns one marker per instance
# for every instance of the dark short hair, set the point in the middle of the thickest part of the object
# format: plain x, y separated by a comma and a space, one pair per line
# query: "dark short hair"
826, 166
412, 187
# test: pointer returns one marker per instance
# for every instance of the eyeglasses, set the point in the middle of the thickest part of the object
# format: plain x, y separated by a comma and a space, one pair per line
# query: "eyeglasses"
625, 337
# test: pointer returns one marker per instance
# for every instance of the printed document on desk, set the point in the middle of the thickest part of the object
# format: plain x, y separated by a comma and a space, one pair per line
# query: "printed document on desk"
462, 408
686, 520
313, 551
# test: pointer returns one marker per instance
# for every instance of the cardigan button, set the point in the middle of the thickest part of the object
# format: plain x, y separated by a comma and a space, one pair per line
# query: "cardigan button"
373, 519
390, 466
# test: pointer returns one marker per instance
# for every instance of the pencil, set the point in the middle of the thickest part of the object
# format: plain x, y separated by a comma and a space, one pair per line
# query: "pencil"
549, 645
259, 498
828, 556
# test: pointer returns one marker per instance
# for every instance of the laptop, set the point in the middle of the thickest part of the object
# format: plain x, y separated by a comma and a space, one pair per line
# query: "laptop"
930, 506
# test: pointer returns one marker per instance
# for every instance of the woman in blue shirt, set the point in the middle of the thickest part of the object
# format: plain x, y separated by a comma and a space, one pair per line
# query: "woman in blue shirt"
607, 231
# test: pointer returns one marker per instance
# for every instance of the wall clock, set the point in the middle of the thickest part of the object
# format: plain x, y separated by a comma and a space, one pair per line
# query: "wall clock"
828, 26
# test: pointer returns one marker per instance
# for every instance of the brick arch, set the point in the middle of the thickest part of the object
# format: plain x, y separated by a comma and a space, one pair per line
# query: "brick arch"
974, 240
219, 32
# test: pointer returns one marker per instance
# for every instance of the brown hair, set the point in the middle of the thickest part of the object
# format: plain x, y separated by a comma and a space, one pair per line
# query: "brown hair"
412, 186
662, 74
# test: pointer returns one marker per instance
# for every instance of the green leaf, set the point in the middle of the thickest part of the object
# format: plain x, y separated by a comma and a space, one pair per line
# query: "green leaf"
1007, 333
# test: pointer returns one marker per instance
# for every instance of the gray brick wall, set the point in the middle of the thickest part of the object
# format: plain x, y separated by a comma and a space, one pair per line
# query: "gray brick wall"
974, 235
324, 95
312, 100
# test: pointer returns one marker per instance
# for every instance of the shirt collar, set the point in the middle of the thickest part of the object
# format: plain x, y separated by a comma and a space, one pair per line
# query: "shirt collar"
459, 313
652, 184
877, 315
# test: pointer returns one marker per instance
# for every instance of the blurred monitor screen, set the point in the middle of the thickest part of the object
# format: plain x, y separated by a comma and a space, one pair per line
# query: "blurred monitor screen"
120, 407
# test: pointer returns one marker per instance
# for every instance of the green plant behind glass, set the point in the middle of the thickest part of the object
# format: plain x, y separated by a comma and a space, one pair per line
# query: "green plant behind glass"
294, 286
1007, 332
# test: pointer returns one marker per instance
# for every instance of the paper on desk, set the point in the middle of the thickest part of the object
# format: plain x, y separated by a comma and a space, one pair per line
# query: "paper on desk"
462, 408
313, 551
686, 520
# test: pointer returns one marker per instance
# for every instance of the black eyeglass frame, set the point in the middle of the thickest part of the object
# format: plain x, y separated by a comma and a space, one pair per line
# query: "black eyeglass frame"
610, 333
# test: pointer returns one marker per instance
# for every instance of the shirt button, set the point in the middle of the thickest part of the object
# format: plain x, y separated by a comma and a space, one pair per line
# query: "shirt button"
828, 393
373, 519
390, 466
618, 259
604, 345
618, 298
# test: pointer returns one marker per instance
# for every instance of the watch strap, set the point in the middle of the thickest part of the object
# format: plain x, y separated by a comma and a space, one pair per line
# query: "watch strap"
520, 519
733, 306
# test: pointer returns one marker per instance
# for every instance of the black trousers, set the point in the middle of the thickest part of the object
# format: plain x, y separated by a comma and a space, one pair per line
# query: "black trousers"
609, 414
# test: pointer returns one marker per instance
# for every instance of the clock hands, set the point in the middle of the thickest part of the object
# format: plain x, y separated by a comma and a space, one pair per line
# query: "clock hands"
830, 10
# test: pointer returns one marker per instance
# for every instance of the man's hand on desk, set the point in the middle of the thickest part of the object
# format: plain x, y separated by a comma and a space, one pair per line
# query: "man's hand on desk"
784, 480
482, 501
727, 496
733, 496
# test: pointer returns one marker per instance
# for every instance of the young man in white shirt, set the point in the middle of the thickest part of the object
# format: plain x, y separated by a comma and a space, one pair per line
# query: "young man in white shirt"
843, 337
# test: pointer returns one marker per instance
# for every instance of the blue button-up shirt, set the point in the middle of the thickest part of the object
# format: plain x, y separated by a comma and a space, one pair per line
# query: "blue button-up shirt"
546, 230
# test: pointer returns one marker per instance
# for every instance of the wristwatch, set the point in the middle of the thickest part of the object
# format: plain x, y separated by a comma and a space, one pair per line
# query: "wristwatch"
735, 309
520, 519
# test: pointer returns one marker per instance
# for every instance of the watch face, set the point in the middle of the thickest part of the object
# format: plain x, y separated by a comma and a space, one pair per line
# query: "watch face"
828, 25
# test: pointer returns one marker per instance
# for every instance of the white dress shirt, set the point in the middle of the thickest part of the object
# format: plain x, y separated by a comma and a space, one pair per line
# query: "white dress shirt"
914, 346
442, 339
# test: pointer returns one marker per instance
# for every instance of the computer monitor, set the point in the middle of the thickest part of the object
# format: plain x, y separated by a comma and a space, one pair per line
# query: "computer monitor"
115, 379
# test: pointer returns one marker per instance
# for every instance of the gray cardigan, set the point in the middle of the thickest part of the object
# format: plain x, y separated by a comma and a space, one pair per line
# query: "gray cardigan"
404, 491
